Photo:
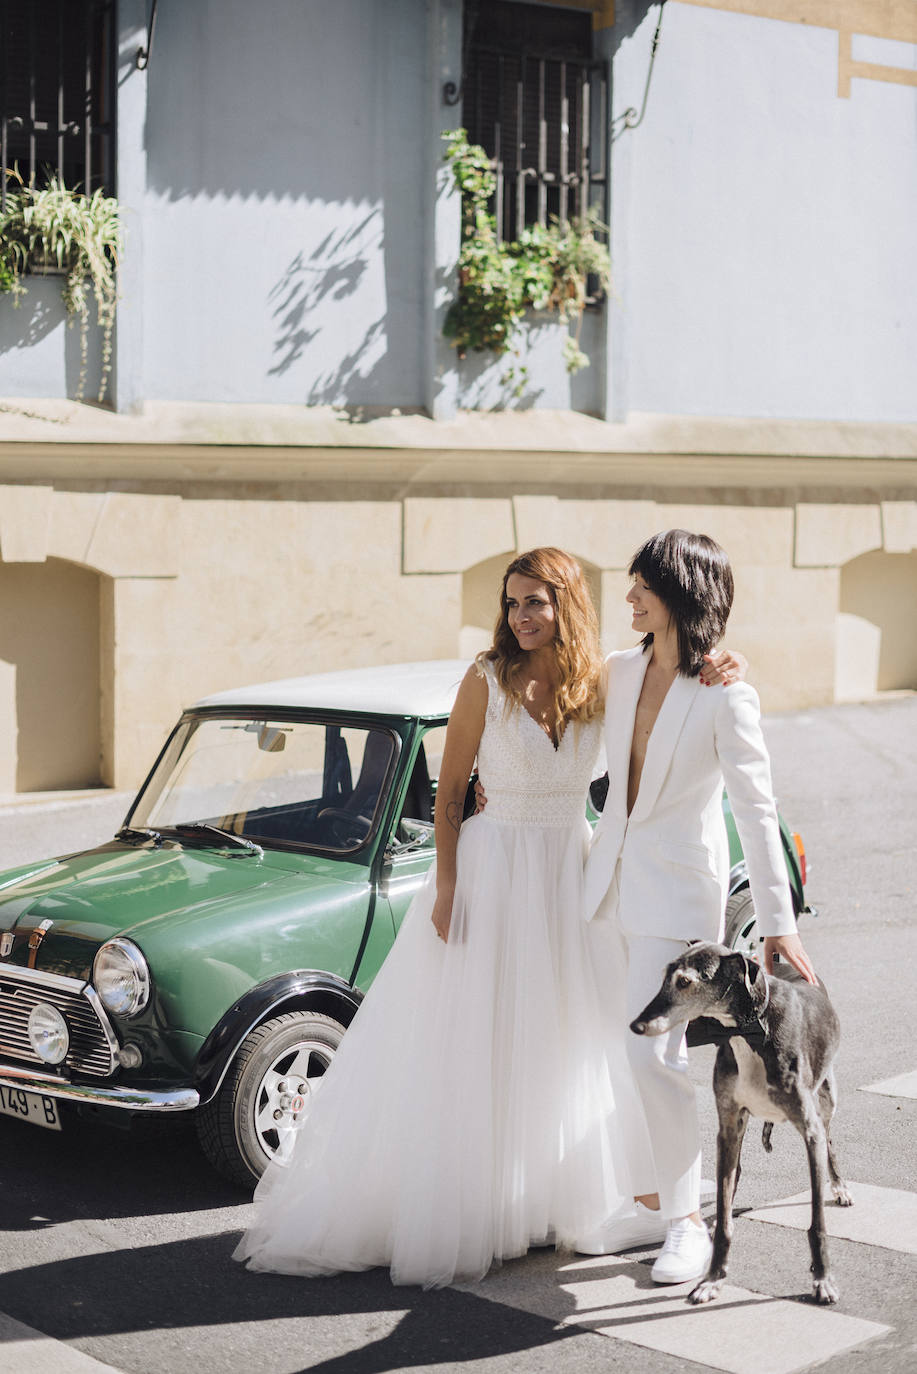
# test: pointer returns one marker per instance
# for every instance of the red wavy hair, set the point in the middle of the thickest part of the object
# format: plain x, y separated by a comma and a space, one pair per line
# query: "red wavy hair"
577, 696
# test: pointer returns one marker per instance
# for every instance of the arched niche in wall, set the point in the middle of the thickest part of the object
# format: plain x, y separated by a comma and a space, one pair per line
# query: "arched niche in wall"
50, 724
481, 599
876, 630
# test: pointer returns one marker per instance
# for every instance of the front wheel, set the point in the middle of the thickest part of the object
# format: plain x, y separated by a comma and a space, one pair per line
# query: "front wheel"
253, 1118
742, 926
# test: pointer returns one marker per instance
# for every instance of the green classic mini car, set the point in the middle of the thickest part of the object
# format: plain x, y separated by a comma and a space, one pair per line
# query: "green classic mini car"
209, 958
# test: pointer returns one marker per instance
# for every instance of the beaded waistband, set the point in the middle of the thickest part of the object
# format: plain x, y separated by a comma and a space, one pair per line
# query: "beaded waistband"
533, 808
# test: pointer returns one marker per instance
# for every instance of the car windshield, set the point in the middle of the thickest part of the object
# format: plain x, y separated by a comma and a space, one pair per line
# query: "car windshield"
272, 781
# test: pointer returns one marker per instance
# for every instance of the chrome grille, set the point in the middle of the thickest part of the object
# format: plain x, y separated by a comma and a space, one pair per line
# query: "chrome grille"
92, 1042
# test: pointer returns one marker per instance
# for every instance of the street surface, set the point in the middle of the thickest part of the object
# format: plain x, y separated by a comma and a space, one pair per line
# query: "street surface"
116, 1250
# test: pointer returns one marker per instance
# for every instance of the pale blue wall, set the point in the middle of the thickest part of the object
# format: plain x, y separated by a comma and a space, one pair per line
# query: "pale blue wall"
287, 245
291, 236
291, 232
283, 220
764, 229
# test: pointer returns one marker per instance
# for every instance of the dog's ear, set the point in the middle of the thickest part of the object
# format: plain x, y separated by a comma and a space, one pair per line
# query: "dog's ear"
749, 971
753, 971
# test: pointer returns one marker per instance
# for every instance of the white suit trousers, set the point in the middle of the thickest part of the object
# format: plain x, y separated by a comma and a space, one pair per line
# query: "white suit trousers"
660, 1066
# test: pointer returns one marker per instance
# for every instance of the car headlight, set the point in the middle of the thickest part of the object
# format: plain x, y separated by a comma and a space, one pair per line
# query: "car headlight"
49, 1034
121, 977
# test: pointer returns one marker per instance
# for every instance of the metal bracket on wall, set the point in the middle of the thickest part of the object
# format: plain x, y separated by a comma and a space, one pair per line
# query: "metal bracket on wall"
630, 118
452, 94
142, 59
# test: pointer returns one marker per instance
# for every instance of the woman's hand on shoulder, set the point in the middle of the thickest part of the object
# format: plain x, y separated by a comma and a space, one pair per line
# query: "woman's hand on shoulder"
723, 666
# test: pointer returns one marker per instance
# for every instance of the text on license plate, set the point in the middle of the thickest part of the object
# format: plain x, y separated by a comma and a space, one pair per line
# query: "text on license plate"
32, 1107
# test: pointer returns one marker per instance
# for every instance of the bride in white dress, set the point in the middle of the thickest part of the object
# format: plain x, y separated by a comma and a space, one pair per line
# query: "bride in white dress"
480, 1101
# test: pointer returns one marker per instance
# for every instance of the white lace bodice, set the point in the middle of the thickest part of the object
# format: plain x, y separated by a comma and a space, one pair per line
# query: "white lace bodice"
527, 780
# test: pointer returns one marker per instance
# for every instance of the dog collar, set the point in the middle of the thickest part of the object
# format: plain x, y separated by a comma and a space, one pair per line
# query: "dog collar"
754, 1029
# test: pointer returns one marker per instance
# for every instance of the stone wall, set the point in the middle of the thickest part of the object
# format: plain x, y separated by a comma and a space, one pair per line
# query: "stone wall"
147, 599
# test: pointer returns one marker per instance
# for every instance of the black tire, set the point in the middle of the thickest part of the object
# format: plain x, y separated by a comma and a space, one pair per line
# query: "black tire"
235, 1128
741, 924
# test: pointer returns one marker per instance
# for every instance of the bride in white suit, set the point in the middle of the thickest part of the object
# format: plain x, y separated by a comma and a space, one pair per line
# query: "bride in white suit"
658, 867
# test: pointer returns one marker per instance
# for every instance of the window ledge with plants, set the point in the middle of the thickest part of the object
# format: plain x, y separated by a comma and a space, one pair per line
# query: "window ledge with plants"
54, 229
545, 269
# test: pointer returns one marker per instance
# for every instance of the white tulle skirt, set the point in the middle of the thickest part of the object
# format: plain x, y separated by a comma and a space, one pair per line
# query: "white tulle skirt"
480, 1101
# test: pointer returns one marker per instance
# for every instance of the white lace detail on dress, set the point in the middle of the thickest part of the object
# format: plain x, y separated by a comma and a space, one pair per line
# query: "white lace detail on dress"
527, 780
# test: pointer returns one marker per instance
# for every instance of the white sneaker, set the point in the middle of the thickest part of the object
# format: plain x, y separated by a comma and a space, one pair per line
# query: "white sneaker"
685, 1257
641, 1226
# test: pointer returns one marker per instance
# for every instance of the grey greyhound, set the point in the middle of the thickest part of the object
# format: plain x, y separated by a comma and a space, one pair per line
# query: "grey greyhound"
778, 1036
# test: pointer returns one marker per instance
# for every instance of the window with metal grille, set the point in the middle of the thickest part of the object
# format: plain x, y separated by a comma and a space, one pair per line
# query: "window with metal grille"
57, 92
536, 101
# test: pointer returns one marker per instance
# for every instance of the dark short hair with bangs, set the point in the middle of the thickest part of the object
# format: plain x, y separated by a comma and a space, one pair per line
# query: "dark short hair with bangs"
691, 575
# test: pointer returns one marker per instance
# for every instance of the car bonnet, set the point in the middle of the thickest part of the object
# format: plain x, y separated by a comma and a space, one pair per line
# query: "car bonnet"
56, 917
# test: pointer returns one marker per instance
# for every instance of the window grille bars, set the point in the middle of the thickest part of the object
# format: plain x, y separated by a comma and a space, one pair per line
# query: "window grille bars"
517, 105
56, 93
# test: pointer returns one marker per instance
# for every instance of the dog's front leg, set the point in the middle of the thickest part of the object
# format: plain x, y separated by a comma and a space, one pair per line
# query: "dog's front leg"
813, 1132
730, 1135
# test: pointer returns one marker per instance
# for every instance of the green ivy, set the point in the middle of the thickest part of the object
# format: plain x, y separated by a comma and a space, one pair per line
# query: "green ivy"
544, 269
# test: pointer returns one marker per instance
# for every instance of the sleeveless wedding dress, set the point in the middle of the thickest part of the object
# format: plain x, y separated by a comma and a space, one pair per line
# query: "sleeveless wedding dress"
480, 1101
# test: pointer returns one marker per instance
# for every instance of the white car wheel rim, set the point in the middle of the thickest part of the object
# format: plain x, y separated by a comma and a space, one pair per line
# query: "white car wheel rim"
283, 1096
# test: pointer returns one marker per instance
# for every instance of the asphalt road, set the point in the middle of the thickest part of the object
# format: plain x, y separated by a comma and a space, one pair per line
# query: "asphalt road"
119, 1248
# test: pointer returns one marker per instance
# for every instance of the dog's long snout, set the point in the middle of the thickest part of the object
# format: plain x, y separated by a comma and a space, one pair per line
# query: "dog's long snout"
655, 1017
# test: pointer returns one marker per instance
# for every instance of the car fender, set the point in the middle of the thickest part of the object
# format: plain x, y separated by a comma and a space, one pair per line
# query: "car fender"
739, 881
738, 878
304, 989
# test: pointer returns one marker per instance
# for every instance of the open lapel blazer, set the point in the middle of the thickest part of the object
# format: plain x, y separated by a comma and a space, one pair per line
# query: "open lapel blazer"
664, 870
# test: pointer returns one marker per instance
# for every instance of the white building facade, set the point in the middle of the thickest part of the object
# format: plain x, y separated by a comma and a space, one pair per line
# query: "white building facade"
295, 471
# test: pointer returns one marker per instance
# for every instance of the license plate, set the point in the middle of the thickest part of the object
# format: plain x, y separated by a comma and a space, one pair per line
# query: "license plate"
32, 1107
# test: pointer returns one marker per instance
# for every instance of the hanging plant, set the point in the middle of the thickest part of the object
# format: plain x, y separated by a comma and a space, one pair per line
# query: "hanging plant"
546, 268
80, 236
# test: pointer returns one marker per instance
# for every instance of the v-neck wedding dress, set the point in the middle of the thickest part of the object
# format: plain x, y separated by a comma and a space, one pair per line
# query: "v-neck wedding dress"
480, 1100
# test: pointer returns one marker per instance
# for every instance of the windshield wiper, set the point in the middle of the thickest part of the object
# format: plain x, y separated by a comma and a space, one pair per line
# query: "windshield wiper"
204, 828
142, 833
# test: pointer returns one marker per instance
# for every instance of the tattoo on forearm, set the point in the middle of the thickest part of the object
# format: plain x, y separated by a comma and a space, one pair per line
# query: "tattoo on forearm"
454, 816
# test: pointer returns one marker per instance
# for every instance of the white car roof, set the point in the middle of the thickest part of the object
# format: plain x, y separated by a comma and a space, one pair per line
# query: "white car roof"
396, 689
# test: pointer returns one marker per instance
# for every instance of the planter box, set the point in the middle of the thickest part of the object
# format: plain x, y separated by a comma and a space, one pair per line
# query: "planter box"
45, 267
39, 353
547, 384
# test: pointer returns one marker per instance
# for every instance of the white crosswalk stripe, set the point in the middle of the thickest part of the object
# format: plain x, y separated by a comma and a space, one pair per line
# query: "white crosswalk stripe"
26, 1351
905, 1085
880, 1216
741, 1333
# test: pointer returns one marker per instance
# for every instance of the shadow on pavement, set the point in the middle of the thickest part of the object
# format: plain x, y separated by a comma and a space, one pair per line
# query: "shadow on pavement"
194, 1283
88, 1169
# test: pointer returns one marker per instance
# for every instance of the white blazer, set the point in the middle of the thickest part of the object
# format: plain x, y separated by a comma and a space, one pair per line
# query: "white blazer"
673, 876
